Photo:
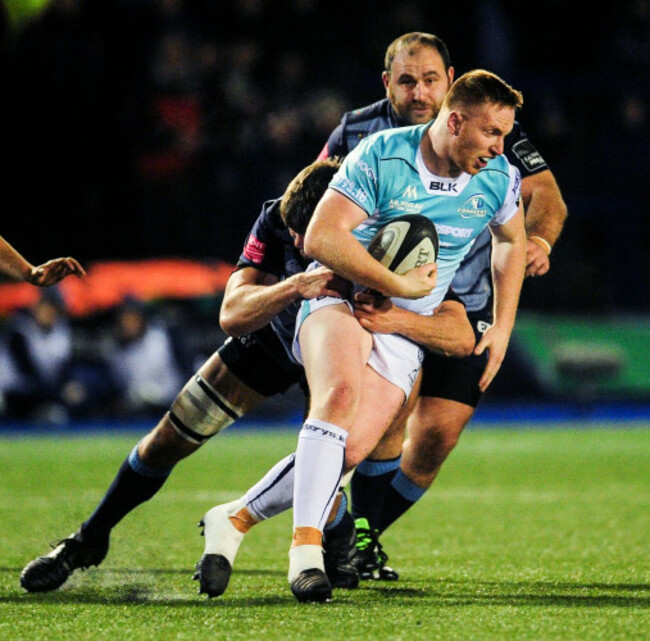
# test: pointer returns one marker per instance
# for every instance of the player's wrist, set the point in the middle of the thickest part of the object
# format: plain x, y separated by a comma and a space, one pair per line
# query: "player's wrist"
293, 287
30, 274
541, 242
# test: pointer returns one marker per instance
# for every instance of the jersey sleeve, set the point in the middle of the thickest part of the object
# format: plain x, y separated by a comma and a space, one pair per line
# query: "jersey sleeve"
522, 154
263, 248
511, 201
357, 177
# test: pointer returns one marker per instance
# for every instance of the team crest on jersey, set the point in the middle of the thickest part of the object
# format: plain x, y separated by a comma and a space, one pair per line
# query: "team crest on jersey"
474, 207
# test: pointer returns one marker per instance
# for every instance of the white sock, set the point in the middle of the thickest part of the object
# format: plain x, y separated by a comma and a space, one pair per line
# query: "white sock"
319, 465
221, 536
304, 557
273, 494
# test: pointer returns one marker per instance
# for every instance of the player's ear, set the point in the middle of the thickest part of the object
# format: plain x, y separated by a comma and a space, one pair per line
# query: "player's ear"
454, 122
385, 78
450, 75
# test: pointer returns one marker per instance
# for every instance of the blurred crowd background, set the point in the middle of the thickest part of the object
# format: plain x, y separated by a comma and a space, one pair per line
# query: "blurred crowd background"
151, 128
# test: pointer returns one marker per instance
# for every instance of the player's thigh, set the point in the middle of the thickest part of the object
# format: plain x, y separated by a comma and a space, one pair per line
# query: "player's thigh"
449, 394
390, 445
379, 404
250, 368
433, 430
210, 401
234, 380
334, 349
217, 374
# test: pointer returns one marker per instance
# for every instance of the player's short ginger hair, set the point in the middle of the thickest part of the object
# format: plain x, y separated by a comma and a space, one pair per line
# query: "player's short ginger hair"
412, 42
478, 86
304, 192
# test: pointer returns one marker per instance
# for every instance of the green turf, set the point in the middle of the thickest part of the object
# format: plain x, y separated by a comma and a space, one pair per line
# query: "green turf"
525, 535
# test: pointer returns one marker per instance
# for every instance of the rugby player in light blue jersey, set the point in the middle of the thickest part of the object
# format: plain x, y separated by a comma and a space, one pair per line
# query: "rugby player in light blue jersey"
359, 380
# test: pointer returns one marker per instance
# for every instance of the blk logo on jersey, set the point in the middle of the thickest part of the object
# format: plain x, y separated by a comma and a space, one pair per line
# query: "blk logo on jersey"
436, 185
254, 250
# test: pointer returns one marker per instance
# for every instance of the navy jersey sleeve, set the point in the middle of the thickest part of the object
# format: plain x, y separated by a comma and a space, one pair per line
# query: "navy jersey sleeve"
264, 246
522, 154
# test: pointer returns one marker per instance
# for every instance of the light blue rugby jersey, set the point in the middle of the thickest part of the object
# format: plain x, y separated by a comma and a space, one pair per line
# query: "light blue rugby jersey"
385, 176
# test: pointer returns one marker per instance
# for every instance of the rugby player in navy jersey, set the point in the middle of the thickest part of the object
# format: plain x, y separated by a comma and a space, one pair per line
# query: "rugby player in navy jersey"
417, 75
258, 311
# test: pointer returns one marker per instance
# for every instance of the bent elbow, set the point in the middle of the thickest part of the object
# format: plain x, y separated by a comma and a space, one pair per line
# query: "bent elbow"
229, 324
311, 246
318, 241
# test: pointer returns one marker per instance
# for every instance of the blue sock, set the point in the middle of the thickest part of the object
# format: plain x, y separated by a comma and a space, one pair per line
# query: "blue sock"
134, 484
401, 495
369, 487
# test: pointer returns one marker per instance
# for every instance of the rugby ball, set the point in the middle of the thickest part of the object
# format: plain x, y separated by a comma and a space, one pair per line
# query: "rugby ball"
405, 242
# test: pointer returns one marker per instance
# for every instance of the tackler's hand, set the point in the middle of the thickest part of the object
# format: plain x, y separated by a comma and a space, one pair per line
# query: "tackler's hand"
495, 340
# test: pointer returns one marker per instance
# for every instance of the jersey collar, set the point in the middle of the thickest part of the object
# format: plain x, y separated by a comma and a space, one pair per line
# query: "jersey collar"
440, 185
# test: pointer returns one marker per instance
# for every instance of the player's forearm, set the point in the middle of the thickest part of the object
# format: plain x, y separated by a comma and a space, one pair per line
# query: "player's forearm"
251, 307
508, 268
345, 256
546, 211
12, 264
446, 332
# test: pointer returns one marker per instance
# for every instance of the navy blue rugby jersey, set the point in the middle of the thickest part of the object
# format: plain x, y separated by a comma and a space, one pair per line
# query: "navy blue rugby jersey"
269, 248
473, 280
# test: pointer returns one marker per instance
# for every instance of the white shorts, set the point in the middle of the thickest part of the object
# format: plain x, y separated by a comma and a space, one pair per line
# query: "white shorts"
393, 357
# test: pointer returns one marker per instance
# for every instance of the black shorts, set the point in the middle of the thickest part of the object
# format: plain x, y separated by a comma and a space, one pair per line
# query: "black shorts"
457, 379
260, 361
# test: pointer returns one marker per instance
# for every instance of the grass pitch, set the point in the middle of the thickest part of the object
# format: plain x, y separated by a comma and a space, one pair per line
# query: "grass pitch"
525, 535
